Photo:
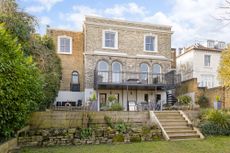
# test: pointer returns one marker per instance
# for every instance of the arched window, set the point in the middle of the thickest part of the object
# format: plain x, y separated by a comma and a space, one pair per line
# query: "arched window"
103, 71
75, 78
144, 68
116, 70
157, 76
156, 69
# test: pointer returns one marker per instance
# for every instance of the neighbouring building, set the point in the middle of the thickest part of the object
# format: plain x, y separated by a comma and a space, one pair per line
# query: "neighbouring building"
130, 60
201, 62
69, 47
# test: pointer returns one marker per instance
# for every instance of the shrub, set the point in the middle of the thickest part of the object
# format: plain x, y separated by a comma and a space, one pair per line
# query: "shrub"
135, 139
211, 128
184, 99
116, 107
108, 121
112, 98
218, 117
86, 133
203, 101
20, 86
118, 138
215, 122
121, 127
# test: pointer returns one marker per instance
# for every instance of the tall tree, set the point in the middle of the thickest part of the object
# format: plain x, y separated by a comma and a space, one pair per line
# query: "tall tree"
224, 68
22, 25
20, 86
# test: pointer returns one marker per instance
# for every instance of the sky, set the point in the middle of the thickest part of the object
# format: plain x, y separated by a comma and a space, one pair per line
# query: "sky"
192, 21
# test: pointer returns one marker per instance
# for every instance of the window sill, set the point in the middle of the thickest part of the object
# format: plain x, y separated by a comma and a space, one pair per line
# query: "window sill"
207, 67
64, 53
115, 48
150, 51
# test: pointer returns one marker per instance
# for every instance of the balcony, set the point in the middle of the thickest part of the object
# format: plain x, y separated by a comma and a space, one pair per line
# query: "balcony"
136, 80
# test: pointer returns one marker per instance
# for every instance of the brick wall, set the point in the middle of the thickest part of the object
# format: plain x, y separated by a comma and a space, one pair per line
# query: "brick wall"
72, 62
211, 93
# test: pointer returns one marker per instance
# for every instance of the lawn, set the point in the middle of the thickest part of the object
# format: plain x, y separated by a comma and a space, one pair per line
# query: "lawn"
209, 145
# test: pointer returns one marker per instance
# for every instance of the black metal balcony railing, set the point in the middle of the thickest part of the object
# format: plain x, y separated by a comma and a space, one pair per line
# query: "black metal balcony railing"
104, 77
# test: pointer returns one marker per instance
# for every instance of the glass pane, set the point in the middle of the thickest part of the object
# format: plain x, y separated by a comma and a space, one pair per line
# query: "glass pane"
109, 39
116, 69
149, 43
102, 66
75, 78
156, 69
144, 72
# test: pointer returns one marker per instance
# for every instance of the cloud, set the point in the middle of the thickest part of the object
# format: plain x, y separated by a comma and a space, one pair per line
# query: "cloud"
35, 9
44, 20
77, 17
191, 20
48, 4
119, 10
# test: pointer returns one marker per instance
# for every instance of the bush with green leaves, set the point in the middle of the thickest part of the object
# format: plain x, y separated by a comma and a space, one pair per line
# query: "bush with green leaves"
112, 98
120, 127
20, 85
203, 101
215, 122
86, 133
43, 52
184, 100
108, 121
22, 25
116, 107
211, 128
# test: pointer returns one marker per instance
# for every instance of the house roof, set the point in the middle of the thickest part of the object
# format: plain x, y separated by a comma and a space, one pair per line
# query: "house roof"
200, 48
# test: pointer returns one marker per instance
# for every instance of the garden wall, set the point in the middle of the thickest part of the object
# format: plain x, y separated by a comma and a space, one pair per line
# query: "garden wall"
74, 119
99, 135
7, 146
75, 128
191, 86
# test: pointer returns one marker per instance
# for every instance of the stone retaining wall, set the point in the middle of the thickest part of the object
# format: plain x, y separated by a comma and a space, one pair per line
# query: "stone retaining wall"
7, 146
72, 136
74, 119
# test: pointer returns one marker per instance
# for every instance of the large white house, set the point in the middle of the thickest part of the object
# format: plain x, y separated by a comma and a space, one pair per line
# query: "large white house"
201, 62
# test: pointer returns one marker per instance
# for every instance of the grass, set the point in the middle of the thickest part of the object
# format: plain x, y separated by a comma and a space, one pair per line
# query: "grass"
209, 145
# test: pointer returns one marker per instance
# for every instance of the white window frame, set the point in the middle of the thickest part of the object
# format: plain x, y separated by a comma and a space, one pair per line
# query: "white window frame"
59, 42
115, 41
209, 61
155, 43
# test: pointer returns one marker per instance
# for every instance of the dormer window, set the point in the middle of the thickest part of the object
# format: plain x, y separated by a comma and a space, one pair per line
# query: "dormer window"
150, 43
64, 45
110, 39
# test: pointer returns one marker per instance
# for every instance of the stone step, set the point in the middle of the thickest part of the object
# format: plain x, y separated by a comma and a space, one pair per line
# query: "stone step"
167, 112
177, 127
181, 132
183, 136
164, 124
169, 117
172, 120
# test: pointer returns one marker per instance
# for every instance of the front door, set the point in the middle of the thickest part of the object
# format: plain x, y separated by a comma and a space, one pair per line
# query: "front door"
102, 98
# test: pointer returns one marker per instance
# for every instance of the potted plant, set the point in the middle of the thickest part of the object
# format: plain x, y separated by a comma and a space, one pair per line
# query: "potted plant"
217, 103
111, 99
184, 101
93, 102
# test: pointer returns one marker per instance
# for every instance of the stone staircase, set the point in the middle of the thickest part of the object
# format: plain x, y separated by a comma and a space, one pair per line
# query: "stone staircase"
176, 126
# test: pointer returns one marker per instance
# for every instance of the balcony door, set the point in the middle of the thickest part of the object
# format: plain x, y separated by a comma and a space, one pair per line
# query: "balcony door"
116, 72
103, 71
157, 78
144, 68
